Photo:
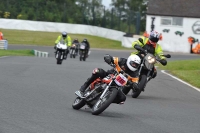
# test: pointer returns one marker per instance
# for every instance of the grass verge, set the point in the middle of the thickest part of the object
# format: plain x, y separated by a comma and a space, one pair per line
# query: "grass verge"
187, 70
16, 53
48, 38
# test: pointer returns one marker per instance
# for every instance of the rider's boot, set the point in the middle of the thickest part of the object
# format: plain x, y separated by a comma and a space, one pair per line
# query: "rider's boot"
55, 49
87, 83
120, 98
97, 73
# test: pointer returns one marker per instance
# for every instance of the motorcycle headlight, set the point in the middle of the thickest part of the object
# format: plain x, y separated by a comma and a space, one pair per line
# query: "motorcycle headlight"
151, 59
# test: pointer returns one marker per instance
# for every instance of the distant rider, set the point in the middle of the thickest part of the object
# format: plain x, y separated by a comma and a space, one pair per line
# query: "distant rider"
87, 46
151, 46
75, 41
1, 35
66, 39
129, 66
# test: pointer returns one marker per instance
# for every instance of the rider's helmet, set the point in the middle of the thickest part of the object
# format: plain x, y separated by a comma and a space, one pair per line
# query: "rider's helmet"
133, 62
64, 34
85, 40
154, 37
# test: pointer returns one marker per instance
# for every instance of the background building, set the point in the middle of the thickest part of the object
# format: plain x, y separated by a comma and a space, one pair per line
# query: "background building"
176, 20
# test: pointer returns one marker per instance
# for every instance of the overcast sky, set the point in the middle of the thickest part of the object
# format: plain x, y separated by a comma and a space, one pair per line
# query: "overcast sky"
106, 2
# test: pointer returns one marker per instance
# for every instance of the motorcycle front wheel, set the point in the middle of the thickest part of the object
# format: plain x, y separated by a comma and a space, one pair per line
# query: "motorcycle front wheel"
59, 60
141, 86
74, 56
81, 55
78, 103
102, 104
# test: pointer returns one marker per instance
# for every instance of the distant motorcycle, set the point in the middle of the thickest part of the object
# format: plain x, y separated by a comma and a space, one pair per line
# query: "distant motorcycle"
73, 50
82, 51
60, 53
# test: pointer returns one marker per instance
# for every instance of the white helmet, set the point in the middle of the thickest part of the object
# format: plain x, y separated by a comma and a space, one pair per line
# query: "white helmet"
133, 62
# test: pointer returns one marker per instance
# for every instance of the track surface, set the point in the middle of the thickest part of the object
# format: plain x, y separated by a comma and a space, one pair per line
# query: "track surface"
36, 97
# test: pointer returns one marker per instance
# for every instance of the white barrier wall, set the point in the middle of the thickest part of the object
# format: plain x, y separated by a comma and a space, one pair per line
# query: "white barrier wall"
172, 42
127, 41
60, 27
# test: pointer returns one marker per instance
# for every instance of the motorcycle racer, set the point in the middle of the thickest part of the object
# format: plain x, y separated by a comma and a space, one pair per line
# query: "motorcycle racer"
150, 45
75, 41
129, 66
87, 46
66, 39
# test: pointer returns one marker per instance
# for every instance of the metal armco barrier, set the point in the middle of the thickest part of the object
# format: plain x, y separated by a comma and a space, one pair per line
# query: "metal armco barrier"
40, 53
3, 44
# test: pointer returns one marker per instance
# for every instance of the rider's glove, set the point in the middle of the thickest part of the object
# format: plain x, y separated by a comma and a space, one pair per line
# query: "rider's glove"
138, 47
108, 59
55, 46
133, 85
163, 62
129, 83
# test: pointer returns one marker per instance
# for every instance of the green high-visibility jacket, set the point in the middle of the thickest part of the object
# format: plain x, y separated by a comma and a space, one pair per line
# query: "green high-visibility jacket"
158, 49
67, 40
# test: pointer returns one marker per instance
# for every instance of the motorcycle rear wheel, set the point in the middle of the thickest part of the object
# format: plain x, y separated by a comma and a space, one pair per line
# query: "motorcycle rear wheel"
81, 55
78, 103
101, 105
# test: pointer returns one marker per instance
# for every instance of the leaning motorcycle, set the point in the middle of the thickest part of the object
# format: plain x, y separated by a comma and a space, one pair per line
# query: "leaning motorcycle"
72, 51
60, 52
102, 92
144, 71
82, 51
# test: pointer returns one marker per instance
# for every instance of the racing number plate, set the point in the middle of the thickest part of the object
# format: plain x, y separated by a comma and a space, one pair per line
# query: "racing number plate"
121, 80
82, 47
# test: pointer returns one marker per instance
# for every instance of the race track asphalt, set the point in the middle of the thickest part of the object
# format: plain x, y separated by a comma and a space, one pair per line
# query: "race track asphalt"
36, 96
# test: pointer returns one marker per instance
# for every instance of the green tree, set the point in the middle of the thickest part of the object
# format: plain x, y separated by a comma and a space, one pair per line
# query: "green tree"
92, 12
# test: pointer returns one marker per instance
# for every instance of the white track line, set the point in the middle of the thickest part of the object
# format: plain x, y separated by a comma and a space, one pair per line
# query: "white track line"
163, 71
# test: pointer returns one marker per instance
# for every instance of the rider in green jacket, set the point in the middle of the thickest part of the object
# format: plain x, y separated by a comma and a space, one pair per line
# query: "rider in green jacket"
150, 45
66, 39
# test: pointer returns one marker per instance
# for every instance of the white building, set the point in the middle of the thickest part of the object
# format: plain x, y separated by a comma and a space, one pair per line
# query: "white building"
174, 16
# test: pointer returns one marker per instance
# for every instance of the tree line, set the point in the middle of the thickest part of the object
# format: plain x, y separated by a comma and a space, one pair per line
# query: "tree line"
122, 15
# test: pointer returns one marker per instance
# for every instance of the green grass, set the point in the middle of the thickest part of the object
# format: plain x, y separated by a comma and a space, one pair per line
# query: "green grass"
16, 53
187, 70
48, 39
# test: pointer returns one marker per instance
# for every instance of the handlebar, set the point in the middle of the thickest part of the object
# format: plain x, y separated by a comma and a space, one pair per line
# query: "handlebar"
167, 55
118, 72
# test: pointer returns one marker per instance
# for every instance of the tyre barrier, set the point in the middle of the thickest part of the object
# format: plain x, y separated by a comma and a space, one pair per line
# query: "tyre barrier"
40, 53
3, 44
